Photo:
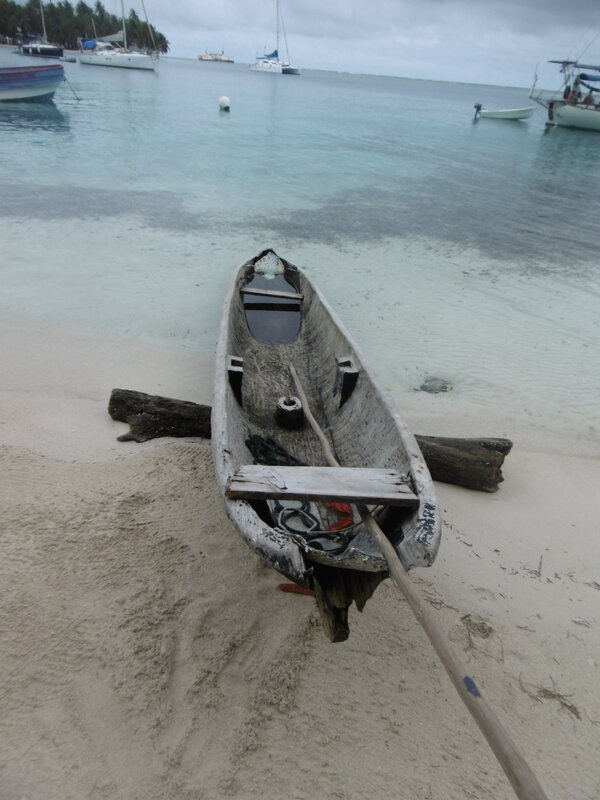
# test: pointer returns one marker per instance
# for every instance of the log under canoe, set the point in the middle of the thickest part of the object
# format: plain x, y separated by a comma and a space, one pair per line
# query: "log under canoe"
290, 507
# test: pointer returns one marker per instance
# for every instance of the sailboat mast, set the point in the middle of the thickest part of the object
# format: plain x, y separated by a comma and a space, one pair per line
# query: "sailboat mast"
43, 21
277, 35
150, 28
124, 31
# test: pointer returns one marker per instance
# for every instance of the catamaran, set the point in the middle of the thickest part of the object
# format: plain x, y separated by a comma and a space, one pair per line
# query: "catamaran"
271, 62
570, 107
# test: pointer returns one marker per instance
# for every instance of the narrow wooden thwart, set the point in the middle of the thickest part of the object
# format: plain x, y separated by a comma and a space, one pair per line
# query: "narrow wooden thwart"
272, 293
343, 484
522, 778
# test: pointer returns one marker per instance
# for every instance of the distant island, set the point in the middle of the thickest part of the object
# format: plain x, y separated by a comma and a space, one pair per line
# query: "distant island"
66, 24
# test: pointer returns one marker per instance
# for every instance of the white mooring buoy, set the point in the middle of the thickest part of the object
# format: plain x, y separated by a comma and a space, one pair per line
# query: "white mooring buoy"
224, 103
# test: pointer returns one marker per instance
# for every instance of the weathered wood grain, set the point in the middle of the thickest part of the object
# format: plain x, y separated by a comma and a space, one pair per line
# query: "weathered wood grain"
472, 463
151, 416
342, 484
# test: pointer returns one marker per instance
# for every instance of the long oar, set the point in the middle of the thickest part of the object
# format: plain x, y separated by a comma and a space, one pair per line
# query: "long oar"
519, 773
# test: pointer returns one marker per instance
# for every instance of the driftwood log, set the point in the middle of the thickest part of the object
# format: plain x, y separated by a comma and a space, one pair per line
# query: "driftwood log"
150, 416
472, 463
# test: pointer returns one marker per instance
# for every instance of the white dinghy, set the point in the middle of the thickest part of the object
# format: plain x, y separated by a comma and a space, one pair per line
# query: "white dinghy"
503, 113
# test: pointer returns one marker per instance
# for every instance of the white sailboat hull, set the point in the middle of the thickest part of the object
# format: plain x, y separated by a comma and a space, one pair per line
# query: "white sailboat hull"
585, 117
267, 65
118, 59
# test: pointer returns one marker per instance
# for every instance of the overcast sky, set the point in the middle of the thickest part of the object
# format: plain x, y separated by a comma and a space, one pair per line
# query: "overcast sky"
472, 41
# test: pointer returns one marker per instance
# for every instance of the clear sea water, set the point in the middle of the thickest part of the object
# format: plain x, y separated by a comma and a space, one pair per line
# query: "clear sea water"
468, 252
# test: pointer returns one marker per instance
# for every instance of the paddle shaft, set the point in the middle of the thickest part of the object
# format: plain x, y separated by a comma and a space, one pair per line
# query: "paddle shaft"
522, 778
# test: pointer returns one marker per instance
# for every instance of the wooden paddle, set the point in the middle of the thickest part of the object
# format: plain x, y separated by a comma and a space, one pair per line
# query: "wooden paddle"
522, 778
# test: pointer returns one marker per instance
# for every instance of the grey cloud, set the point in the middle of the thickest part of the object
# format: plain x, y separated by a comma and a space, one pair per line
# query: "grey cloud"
436, 39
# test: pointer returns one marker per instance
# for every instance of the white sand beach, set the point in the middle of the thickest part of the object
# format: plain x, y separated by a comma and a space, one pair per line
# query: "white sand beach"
146, 652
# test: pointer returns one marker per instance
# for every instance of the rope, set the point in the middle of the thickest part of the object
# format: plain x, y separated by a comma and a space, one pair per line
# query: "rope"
587, 47
72, 89
270, 453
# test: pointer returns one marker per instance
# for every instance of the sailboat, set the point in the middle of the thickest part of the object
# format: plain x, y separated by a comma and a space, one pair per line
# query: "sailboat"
103, 53
41, 46
271, 62
568, 108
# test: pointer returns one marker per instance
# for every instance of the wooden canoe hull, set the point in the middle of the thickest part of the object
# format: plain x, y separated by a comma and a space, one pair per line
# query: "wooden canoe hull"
362, 426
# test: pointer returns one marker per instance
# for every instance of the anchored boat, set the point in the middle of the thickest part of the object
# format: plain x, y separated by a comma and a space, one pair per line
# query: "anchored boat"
503, 113
30, 83
284, 361
102, 52
39, 45
577, 103
272, 62
220, 57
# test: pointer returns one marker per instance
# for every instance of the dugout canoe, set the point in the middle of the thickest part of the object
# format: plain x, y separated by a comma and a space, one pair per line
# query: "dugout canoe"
282, 354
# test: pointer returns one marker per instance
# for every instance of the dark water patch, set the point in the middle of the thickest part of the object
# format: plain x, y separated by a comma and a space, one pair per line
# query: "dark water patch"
530, 201
538, 237
158, 210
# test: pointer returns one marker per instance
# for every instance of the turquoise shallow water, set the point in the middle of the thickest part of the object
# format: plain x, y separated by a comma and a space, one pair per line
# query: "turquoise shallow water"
466, 251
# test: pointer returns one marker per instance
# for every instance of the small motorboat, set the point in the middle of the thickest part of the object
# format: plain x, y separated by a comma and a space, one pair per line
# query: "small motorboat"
503, 113
18, 84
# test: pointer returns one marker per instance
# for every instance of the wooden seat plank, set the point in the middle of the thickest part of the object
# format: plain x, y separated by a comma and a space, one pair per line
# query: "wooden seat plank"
272, 293
339, 484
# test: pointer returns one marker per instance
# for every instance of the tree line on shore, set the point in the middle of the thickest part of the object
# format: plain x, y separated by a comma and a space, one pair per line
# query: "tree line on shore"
65, 24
